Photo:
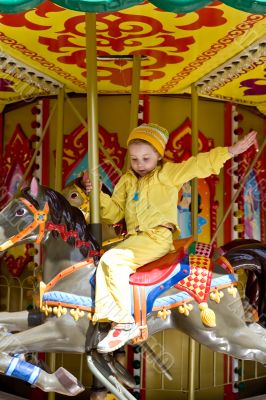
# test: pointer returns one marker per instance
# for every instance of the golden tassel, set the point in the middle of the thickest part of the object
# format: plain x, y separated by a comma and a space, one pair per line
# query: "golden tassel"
207, 315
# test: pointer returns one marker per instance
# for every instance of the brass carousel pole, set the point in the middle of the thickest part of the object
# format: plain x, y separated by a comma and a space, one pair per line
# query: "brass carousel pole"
58, 185
92, 116
59, 140
134, 105
241, 185
194, 187
134, 100
194, 222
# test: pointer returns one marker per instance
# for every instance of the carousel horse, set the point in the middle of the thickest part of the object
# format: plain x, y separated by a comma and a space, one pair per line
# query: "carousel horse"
184, 290
239, 252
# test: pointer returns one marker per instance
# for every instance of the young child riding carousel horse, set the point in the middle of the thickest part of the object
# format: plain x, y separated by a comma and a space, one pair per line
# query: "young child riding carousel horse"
146, 196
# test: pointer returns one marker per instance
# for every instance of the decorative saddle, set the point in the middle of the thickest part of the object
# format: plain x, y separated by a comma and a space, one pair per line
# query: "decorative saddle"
189, 270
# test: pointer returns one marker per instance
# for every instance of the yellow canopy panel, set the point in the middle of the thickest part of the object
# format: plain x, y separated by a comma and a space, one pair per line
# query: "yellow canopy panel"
44, 48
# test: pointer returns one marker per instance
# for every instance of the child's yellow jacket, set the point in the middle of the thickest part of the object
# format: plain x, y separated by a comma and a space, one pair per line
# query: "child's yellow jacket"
150, 201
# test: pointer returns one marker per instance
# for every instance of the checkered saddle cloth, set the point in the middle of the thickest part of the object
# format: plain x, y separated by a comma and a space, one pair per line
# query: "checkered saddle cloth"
198, 282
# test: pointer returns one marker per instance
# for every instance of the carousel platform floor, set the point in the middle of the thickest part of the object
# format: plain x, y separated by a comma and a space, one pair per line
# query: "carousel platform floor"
7, 396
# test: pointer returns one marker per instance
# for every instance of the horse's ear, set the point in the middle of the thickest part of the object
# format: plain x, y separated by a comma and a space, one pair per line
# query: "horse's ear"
34, 187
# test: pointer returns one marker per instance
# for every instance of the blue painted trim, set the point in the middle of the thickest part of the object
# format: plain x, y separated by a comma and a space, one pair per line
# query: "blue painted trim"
68, 298
34, 376
23, 370
153, 291
166, 285
12, 365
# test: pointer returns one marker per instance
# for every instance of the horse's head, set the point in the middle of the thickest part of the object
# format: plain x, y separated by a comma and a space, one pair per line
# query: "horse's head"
21, 219
76, 196
38, 212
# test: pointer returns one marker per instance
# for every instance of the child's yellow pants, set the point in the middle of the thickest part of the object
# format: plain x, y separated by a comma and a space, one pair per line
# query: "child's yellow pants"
113, 300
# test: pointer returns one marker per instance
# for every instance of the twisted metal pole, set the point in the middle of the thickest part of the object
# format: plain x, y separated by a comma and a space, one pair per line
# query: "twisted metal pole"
92, 117
237, 193
194, 217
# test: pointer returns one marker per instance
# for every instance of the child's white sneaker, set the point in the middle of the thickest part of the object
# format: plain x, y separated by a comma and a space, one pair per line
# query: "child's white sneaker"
117, 337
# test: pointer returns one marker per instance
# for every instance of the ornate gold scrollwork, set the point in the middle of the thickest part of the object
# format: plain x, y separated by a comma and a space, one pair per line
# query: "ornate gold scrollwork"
216, 296
46, 310
185, 309
163, 313
232, 290
76, 313
59, 311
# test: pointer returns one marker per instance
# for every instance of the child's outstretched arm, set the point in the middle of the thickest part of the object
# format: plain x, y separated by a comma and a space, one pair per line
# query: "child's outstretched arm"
206, 164
244, 144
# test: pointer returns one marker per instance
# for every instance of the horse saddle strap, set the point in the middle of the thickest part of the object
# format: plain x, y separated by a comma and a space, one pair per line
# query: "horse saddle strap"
140, 312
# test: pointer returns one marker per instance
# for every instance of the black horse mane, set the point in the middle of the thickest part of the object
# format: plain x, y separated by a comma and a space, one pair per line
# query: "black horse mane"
250, 255
62, 213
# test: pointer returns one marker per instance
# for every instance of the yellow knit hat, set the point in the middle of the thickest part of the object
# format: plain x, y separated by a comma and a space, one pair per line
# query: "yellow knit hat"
151, 133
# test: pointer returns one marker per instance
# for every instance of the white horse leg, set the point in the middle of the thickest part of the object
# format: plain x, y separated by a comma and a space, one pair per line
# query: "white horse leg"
14, 321
230, 336
256, 328
60, 381
40, 338
55, 335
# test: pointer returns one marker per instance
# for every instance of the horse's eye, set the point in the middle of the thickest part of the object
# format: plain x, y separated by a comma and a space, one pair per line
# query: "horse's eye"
20, 212
74, 195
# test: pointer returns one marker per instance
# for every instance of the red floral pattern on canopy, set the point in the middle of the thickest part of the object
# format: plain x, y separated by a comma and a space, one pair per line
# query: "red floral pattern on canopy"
178, 49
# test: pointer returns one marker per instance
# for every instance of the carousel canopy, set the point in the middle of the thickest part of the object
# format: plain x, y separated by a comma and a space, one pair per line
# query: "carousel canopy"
220, 46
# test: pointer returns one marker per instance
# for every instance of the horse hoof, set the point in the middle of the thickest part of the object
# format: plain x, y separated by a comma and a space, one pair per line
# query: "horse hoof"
72, 386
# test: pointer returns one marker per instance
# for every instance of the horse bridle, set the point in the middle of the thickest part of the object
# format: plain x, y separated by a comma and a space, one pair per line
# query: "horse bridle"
39, 219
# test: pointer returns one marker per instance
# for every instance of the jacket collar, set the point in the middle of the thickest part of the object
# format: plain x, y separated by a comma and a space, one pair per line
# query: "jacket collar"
150, 174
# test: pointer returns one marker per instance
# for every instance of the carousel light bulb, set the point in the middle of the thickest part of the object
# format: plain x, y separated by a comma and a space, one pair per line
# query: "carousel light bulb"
21, 72
11, 68
4, 64
245, 62
262, 50
29, 77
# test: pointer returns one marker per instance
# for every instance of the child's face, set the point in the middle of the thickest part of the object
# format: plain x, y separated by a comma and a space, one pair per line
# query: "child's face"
143, 158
